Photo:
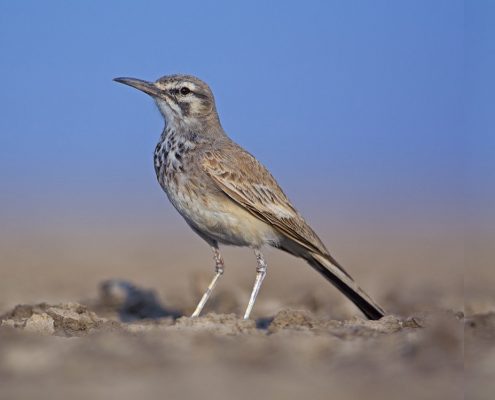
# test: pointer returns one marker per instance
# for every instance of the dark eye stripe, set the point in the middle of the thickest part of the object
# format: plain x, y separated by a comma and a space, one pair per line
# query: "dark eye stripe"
185, 107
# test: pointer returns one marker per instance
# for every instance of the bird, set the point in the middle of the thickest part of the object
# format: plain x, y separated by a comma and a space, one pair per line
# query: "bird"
226, 195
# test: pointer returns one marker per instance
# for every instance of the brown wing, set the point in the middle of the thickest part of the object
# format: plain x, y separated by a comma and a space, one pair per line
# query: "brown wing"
241, 177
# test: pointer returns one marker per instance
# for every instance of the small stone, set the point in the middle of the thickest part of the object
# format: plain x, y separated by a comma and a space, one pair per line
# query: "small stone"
40, 323
293, 319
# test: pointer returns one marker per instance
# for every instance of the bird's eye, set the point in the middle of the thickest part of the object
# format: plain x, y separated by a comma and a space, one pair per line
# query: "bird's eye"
184, 90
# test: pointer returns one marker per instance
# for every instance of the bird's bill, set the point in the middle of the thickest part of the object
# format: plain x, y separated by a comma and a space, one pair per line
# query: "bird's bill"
143, 86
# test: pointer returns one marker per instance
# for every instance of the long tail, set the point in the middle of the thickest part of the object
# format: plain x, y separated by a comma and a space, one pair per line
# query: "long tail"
333, 272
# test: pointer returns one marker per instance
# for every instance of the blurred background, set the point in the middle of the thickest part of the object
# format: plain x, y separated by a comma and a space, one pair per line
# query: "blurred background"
375, 117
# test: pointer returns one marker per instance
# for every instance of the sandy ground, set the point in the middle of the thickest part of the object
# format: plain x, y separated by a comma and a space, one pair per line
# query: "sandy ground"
125, 343
68, 351
130, 336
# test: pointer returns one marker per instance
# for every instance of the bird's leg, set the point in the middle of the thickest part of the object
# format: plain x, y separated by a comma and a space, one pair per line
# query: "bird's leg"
219, 265
260, 275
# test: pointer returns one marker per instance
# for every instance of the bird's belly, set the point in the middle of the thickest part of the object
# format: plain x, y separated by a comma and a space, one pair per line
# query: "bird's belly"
219, 218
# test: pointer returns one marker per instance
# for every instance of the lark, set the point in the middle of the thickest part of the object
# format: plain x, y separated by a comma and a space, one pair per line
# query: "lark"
226, 195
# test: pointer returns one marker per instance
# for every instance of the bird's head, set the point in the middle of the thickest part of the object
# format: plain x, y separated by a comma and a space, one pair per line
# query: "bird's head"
183, 100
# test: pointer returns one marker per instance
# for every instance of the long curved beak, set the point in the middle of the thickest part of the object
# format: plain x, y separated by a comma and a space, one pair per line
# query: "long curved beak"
143, 86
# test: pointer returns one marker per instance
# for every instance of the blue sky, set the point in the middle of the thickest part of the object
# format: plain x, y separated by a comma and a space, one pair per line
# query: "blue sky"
352, 102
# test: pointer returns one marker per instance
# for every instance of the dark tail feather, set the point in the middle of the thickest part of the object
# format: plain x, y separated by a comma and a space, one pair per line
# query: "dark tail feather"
340, 279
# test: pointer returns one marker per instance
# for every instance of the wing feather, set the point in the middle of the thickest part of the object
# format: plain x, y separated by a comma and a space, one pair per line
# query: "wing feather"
246, 181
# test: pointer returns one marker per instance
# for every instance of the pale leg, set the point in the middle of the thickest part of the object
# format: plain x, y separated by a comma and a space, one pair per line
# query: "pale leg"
260, 275
219, 265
